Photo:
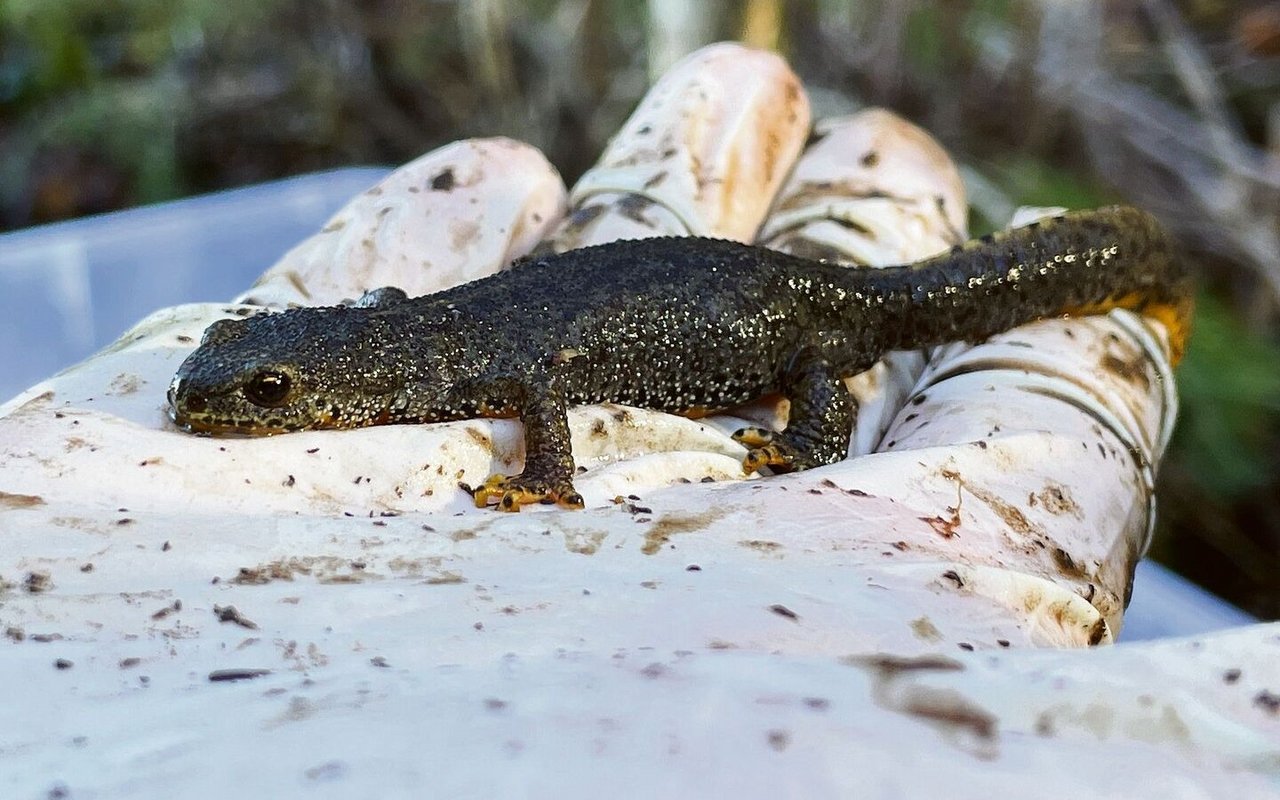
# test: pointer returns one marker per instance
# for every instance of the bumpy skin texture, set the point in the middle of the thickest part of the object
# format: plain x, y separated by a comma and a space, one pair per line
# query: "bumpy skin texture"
683, 325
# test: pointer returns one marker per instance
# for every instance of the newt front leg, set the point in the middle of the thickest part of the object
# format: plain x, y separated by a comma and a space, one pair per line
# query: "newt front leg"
548, 462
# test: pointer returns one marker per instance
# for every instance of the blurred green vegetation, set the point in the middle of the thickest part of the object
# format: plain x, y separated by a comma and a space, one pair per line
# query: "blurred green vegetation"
110, 103
1231, 385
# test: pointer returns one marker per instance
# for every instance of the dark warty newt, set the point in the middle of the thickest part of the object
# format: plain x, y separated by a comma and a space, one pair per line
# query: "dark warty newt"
684, 325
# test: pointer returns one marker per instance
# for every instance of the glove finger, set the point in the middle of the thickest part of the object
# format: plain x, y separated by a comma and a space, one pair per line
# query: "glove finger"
703, 154
456, 214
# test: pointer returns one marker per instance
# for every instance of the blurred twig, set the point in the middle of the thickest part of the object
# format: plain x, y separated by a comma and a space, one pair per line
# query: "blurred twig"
678, 27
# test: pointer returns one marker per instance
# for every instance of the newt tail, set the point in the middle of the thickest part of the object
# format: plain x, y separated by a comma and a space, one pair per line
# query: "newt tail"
1076, 264
684, 325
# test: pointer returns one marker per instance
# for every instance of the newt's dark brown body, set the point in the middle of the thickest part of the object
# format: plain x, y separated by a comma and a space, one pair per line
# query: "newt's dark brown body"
681, 325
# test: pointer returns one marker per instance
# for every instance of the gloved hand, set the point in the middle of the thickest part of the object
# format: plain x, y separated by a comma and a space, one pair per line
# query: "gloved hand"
998, 497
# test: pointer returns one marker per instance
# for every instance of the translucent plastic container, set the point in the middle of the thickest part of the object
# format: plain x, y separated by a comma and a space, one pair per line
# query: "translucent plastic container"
68, 289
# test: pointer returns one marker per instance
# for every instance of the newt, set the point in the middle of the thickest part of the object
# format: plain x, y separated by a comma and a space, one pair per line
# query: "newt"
684, 325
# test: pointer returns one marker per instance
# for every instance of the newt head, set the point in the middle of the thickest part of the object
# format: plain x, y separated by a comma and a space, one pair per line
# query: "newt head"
302, 369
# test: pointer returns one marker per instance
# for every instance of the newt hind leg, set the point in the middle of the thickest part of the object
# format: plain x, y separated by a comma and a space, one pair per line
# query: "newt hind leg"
820, 424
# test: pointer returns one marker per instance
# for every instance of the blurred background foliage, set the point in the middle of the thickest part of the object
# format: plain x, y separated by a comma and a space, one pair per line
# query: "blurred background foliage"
1174, 106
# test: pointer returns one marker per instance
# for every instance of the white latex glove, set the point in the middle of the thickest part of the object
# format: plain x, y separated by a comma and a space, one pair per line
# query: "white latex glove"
1003, 506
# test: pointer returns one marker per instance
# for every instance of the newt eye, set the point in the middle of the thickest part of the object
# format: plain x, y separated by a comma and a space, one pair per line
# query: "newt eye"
268, 388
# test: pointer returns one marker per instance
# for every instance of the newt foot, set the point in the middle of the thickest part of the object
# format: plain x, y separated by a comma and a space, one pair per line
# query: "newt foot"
513, 491
765, 449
